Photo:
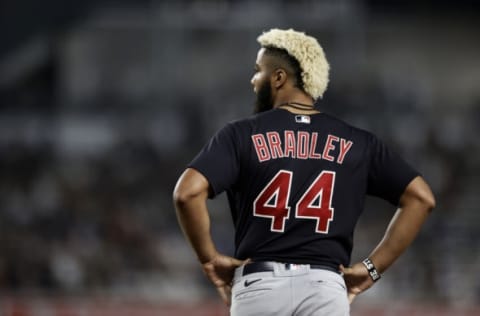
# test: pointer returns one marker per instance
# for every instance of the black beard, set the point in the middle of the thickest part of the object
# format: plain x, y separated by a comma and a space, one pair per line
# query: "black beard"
264, 98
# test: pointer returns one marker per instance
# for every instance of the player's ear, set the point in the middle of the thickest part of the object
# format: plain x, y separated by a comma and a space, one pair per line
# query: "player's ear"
279, 77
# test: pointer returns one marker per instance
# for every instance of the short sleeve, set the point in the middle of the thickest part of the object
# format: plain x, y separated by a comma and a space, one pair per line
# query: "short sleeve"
218, 161
388, 174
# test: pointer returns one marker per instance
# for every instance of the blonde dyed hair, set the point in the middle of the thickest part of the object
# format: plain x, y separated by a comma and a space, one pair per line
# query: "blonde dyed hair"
309, 54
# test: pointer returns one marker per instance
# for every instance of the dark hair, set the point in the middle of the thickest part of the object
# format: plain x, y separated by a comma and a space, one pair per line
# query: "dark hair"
289, 62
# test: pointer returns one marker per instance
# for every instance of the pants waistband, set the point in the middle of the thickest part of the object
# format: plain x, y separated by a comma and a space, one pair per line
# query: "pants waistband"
266, 266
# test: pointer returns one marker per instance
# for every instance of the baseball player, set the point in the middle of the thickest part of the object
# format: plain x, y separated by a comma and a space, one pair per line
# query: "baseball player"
296, 180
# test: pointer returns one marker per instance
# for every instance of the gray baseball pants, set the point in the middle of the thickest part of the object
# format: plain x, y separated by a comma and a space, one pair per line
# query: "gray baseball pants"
288, 290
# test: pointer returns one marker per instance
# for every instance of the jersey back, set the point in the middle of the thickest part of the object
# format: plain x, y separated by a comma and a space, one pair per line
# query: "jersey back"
296, 184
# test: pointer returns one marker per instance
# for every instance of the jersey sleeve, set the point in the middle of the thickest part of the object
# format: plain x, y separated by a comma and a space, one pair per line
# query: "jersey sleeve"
388, 174
219, 159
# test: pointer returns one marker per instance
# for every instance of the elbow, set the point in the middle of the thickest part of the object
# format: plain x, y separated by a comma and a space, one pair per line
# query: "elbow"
190, 186
425, 196
181, 196
185, 193
178, 197
419, 193
429, 202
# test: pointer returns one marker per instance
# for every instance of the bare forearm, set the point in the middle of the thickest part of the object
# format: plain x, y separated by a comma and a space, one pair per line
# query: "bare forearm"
415, 205
190, 200
193, 218
401, 232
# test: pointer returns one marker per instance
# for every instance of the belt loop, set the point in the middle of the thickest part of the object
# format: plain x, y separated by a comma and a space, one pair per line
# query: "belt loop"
238, 273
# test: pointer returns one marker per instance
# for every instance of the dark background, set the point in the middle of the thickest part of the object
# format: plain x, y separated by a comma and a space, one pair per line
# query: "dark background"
103, 103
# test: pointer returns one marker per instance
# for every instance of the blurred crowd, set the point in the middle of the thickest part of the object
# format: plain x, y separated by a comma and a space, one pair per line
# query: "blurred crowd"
69, 225
85, 196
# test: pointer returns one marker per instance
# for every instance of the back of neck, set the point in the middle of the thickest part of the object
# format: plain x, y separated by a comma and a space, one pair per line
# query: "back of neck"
298, 108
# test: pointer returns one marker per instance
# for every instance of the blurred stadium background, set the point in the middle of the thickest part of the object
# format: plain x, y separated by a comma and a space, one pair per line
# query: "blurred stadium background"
103, 103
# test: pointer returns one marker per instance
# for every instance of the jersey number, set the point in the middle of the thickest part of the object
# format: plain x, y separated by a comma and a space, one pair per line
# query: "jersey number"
315, 203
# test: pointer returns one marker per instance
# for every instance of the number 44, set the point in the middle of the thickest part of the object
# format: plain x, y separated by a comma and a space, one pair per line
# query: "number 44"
315, 203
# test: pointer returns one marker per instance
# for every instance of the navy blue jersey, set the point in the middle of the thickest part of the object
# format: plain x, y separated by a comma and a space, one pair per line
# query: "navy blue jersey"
296, 184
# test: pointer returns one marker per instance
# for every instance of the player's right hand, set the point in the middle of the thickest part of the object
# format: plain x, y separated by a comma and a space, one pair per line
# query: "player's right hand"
220, 272
357, 279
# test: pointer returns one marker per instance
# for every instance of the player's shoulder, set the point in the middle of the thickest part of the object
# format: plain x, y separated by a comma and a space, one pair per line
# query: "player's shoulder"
250, 121
338, 123
237, 128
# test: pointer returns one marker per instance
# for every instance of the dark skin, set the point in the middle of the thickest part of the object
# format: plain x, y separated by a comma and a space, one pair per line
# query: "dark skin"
192, 191
279, 76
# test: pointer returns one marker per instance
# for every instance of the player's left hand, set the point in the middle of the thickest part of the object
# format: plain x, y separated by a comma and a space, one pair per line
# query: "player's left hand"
220, 271
357, 279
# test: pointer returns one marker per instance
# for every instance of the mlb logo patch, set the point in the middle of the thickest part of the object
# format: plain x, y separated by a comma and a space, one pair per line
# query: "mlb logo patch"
304, 119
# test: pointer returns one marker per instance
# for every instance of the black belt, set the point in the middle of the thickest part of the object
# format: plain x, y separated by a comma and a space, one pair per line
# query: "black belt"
265, 266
